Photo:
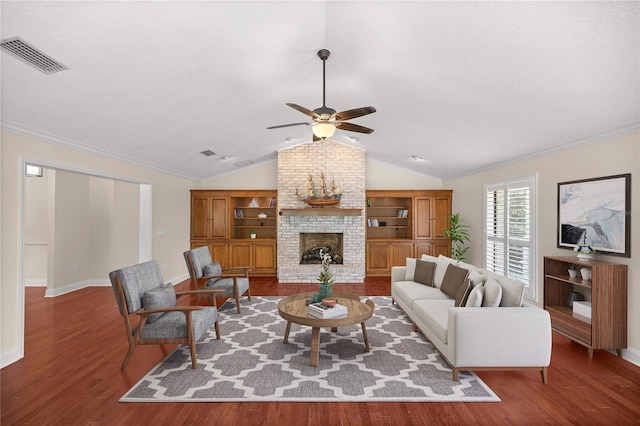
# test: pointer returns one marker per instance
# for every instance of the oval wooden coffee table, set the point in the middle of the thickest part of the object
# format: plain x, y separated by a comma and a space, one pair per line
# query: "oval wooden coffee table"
294, 310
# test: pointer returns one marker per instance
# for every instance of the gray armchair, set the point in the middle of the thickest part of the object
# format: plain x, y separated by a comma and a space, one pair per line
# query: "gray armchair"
205, 273
140, 290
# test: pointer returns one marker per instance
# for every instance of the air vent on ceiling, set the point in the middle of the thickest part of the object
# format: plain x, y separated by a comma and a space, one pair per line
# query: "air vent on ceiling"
25, 52
207, 153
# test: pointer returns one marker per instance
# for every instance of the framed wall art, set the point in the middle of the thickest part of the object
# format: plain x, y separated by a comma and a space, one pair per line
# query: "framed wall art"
595, 212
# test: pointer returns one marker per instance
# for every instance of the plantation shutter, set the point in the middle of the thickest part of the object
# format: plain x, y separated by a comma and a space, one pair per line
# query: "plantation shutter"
509, 223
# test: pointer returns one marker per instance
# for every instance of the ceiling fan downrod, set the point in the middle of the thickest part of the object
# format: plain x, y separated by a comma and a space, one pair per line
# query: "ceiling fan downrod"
324, 54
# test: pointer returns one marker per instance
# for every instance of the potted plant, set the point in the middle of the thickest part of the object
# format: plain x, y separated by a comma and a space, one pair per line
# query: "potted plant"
325, 277
253, 233
459, 233
573, 270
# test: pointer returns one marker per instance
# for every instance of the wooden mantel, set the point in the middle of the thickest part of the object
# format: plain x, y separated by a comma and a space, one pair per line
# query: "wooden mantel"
321, 211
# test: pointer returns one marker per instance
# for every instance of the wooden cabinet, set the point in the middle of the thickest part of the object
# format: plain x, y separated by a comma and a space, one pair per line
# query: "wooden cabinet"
403, 224
432, 215
208, 216
607, 292
223, 221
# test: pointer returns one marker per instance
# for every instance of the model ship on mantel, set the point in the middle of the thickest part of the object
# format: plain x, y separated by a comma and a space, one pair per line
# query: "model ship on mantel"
321, 196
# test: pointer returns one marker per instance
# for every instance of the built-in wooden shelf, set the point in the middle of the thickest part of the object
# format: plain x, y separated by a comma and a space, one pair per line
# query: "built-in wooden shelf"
321, 211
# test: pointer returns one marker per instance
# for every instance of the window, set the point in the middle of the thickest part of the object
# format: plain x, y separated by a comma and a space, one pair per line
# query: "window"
509, 212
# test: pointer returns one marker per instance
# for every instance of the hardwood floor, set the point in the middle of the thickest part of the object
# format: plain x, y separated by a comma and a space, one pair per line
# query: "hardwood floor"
74, 345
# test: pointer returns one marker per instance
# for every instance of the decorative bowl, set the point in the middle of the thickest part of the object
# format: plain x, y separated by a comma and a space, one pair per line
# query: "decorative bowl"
328, 302
262, 215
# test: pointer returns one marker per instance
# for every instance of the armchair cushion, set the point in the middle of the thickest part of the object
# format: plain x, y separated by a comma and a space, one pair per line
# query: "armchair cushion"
213, 268
161, 297
172, 325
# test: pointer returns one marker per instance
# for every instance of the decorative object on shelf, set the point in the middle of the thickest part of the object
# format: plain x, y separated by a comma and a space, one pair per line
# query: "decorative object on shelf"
253, 203
595, 213
574, 296
253, 233
458, 233
573, 270
584, 251
585, 273
321, 196
262, 215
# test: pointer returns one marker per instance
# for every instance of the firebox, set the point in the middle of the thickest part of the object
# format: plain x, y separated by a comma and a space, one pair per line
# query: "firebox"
311, 243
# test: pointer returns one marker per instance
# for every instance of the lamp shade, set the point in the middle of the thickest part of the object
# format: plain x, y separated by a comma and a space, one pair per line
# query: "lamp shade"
323, 130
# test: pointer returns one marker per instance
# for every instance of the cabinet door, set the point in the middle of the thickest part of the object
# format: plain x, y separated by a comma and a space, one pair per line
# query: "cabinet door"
399, 253
423, 217
220, 253
378, 259
218, 217
200, 214
241, 254
264, 258
433, 248
440, 215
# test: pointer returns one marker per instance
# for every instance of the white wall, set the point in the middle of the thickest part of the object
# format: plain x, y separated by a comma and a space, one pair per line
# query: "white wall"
614, 156
170, 207
36, 229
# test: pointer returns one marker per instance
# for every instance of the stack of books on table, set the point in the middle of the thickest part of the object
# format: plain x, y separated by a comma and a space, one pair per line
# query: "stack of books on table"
318, 310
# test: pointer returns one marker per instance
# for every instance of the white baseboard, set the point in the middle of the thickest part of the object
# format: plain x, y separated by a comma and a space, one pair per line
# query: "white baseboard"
94, 283
35, 283
631, 355
9, 357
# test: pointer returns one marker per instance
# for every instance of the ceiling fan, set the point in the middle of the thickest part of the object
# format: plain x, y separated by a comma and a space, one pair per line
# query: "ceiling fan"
325, 119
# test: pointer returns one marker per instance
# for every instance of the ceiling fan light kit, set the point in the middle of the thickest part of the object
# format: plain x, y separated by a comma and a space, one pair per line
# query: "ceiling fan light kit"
323, 130
326, 119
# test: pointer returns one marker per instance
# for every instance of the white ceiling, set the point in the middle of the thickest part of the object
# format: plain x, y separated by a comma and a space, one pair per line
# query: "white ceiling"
465, 85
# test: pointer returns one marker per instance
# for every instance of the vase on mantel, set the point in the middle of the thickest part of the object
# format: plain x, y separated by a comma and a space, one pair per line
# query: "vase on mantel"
584, 256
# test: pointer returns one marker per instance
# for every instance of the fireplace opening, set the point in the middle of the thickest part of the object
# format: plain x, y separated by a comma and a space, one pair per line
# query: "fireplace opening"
311, 243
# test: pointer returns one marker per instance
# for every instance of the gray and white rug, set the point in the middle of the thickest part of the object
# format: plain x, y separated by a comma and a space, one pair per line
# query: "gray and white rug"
250, 363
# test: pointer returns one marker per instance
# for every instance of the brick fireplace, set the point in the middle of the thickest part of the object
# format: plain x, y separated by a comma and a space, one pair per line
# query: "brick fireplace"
344, 164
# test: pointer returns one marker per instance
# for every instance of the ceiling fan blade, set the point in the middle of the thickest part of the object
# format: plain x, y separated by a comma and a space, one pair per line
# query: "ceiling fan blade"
305, 111
289, 125
353, 127
353, 113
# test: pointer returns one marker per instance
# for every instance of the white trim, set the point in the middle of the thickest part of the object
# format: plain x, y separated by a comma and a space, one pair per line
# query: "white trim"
66, 289
9, 357
35, 283
145, 227
629, 354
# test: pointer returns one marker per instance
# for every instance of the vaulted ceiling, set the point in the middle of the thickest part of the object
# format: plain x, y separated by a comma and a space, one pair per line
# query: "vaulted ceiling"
463, 85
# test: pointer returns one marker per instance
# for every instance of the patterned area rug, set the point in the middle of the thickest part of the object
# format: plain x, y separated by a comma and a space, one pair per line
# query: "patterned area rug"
251, 363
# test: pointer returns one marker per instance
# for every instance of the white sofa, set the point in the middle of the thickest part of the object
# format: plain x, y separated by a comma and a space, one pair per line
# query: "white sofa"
500, 332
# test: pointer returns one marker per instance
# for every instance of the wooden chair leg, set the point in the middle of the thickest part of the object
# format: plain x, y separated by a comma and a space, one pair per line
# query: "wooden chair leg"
128, 356
217, 327
544, 375
455, 374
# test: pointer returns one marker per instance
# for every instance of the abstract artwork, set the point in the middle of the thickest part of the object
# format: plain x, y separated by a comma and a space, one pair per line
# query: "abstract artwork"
595, 212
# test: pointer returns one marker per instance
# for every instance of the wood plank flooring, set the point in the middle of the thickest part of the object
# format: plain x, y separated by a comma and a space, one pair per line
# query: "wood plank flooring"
75, 344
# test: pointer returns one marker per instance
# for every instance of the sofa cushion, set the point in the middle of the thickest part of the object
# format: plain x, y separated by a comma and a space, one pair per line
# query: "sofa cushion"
161, 297
424, 272
477, 277
454, 278
463, 293
410, 291
475, 297
492, 293
435, 315
410, 269
512, 291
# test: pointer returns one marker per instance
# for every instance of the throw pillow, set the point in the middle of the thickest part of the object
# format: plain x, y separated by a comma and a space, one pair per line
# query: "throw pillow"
454, 278
424, 272
161, 297
475, 297
410, 269
211, 270
476, 277
492, 293
463, 293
